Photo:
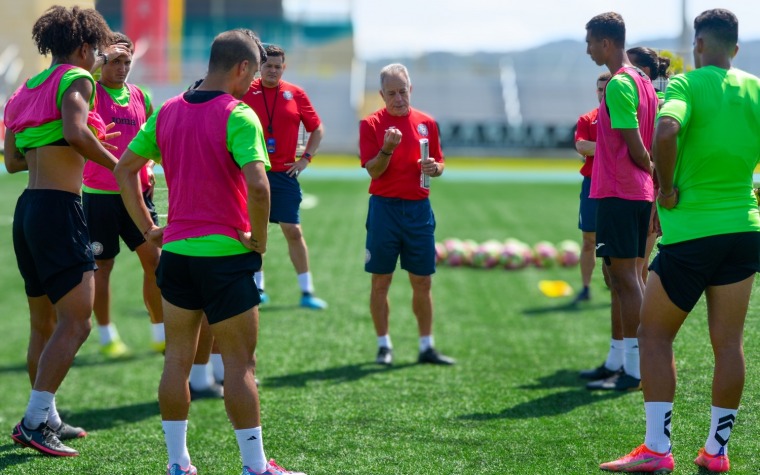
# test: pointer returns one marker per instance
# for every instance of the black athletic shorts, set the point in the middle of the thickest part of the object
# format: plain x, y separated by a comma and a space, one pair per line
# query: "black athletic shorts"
51, 242
108, 219
687, 268
221, 286
621, 228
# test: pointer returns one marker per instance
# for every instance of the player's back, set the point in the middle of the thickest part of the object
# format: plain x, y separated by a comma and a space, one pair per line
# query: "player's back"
724, 114
718, 149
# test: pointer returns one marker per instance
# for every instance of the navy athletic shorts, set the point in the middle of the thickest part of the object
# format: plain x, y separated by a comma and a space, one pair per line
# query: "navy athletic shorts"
397, 227
108, 219
687, 268
285, 198
51, 242
587, 212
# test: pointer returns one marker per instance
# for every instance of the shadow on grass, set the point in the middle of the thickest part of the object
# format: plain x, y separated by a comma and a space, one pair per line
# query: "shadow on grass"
88, 359
274, 308
96, 359
563, 307
10, 457
552, 404
109, 417
549, 405
562, 378
16, 368
340, 374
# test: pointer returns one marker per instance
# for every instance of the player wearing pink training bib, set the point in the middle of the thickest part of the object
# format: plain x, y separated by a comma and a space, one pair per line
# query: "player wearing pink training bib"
127, 107
621, 180
210, 144
48, 135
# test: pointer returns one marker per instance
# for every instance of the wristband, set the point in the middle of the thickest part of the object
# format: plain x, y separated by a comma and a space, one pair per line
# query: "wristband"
145, 234
307, 156
104, 56
385, 153
659, 192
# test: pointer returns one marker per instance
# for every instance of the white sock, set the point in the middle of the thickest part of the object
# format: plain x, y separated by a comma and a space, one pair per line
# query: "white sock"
258, 278
252, 448
107, 333
658, 426
615, 355
304, 281
721, 422
217, 366
38, 408
384, 341
54, 419
200, 376
175, 435
631, 360
426, 342
158, 332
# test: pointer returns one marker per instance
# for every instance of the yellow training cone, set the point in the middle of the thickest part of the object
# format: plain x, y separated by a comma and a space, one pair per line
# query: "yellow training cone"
555, 288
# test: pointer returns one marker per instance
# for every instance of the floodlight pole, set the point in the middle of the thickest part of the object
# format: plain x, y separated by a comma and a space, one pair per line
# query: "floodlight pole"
686, 38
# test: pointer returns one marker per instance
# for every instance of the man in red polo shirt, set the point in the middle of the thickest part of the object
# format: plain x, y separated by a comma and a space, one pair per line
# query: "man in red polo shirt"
585, 144
400, 222
282, 107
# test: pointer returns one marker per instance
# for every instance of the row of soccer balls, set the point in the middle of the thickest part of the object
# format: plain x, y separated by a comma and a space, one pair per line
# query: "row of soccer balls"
510, 254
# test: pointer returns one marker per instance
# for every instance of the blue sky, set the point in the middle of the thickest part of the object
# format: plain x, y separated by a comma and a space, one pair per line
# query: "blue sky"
387, 27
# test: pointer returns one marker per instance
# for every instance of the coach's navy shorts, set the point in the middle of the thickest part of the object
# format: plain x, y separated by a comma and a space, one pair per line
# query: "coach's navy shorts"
621, 228
221, 286
51, 242
107, 219
285, 198
587, 213
687, 268
397, 227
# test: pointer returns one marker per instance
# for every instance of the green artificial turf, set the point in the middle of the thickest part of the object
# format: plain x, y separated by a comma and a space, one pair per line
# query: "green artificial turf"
512, 405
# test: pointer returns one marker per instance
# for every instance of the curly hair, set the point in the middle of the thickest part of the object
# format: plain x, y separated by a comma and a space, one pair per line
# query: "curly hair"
60, 31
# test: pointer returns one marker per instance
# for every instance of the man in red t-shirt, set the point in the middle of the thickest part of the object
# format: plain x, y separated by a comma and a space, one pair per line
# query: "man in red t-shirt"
400, 222
585, 144
282, 107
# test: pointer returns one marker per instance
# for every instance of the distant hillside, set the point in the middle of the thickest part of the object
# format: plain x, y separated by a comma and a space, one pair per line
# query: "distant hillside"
555, 82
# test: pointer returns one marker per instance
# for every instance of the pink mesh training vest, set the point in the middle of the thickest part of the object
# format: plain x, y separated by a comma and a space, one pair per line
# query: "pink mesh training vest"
614, 174
128, 120
33, 107
207, 190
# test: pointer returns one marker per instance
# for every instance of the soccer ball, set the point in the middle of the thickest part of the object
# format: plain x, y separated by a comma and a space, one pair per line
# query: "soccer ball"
455, 252
515, 254
487, 255
440, 252
469, 247
569, 253
545, 254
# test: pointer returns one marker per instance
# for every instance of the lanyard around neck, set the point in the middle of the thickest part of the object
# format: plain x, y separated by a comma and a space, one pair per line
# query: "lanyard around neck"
270, 116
